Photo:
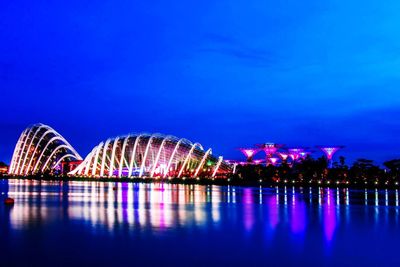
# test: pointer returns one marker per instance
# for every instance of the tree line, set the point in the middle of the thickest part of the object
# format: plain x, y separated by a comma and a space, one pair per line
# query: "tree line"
315, 170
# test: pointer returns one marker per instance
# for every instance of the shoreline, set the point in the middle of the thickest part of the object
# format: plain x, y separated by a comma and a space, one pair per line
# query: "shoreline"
204, 181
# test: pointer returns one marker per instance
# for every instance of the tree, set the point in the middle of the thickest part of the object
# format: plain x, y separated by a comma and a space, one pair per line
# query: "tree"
365, 170
2, 164
394, 168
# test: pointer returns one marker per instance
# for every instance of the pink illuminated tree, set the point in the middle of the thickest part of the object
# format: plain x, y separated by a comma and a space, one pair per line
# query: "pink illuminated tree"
329, 151
283, 155
249, 153
273, 161
295, 153
258, 161
304, 154
269, 148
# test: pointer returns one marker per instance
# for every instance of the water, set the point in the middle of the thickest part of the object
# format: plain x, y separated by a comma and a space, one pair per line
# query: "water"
126, 224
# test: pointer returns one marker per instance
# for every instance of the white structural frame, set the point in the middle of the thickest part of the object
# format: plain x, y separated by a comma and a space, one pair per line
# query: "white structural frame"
28, 149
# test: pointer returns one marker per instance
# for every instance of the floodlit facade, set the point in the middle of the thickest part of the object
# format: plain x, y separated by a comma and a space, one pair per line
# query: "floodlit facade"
151, 155
40, 149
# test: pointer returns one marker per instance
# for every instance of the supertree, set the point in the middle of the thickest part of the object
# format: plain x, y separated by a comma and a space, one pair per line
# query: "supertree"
273, 161
304, 154
249, 153
283, 155
258, 161
269, 149
329, 151
295, 153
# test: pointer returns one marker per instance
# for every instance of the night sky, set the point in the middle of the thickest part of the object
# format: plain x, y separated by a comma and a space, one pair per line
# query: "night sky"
224, 73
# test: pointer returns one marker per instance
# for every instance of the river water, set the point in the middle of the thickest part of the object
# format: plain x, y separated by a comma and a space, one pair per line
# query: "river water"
128, 224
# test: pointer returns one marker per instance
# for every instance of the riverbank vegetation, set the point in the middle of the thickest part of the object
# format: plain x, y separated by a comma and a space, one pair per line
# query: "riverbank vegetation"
362, 173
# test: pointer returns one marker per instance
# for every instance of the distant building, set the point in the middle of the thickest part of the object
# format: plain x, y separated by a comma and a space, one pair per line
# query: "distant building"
41, 150
3, 168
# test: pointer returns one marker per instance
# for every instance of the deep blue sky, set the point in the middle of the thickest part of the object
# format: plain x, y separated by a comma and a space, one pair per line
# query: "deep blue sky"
224, 73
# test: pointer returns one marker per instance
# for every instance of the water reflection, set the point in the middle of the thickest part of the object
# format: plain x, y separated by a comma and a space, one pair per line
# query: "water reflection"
161, 207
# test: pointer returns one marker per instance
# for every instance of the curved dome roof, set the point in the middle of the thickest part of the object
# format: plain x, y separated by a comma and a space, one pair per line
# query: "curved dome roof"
40, 149
151, 155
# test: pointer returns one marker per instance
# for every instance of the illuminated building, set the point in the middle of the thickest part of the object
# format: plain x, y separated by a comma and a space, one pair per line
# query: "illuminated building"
40, 149
329, 151
151, 155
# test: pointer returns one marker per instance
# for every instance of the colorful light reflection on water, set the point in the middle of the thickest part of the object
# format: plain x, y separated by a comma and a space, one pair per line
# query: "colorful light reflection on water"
214, 225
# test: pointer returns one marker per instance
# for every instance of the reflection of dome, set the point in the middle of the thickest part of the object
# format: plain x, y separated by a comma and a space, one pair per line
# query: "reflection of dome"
151, 156
40, 149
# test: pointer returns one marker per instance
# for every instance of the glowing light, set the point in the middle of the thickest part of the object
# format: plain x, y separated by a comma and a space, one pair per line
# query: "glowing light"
294, 153
249, 152
217, 167
155, 165
273, 161
114, 147
122, 158
329, 217
258, 161
202, 162
283, 155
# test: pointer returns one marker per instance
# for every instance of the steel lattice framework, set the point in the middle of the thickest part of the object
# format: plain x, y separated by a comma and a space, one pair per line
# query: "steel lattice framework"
269, 148
294, 153
249, 153
329, 151
40, 149
151, 155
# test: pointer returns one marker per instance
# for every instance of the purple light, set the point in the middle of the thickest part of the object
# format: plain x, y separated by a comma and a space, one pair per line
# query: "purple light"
298, 216
248, 205
294, 153
258, 161
283, 156
273, 209
329, 216
304, 154
273, 161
